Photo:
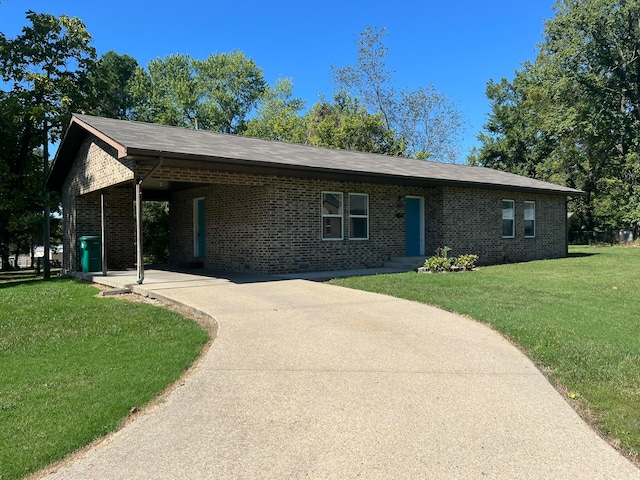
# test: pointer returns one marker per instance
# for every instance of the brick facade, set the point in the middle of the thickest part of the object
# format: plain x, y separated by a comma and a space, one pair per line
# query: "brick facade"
472, 223
94, 170
273, 224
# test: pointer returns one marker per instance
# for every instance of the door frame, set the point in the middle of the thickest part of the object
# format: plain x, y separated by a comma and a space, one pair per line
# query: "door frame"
421, 223
198, 237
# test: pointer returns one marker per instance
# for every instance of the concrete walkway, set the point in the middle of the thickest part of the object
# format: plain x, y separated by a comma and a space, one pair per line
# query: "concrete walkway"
308, 380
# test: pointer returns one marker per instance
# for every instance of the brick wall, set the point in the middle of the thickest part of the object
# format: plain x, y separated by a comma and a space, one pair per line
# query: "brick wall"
273, 224
94, 169
472, 223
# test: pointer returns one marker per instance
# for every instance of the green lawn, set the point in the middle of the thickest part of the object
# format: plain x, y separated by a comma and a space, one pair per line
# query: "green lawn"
578, 318
73, 365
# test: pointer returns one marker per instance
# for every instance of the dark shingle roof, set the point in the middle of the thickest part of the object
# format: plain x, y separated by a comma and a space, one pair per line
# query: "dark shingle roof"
146, 139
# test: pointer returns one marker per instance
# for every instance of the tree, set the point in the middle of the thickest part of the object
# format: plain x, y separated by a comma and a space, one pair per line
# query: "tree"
346, 124
426, 120
44, 74
574, 116
20, 168
155, 231
109, 79
516, 138
232, 84
341, 123
369, 80
217, 93
430, 124
278, 115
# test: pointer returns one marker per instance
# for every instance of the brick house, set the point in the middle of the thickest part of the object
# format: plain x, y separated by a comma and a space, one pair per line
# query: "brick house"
244, 204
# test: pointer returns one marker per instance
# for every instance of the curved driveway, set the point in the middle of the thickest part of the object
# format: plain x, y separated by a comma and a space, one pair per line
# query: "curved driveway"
308, 380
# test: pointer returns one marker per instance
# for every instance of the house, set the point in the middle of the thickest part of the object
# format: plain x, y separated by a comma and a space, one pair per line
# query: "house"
245, 204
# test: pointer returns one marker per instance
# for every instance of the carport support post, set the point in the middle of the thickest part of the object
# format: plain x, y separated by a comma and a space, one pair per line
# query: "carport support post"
139, 232
104, 240
139, 220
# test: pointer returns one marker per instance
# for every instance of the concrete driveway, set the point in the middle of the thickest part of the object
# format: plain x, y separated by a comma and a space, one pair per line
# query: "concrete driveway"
308, 380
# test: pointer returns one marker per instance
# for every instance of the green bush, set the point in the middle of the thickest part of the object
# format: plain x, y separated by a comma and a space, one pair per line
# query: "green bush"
465, 262
440, 262
437, 264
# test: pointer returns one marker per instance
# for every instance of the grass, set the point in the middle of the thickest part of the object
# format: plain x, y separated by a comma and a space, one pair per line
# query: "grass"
578, 318
73, 365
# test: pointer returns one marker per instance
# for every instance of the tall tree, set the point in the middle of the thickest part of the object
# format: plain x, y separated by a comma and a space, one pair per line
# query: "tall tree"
166, 92
217, 93
231, 84
575, 113
346, 124
278, 115
109, 79
427, 121
44, 74
369, 80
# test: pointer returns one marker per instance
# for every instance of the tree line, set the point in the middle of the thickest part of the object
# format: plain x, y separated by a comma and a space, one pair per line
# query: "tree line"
51, 70
572, 116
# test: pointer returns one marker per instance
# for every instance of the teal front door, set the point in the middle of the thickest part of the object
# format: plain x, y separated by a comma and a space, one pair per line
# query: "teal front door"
198, 227
414, 226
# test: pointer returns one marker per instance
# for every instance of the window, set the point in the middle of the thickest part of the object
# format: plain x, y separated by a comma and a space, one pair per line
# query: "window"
331, 216
508, 218
358, 216
529, 219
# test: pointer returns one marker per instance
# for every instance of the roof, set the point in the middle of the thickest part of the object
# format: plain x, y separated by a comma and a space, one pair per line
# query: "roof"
138, 139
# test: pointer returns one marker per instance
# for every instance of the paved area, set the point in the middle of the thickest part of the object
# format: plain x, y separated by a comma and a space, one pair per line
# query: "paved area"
308, 380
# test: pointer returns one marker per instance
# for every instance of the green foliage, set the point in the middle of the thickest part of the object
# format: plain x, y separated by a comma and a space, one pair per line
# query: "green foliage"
579, 325
441, 262
465, 262
74, 365
346, 124
437, 264
46, 67
573, 116
155, 231
216, 93
109, 79
278, 115
44, 79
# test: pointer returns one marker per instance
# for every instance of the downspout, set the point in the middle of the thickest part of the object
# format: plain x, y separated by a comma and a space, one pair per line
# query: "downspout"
139, 258
103, 241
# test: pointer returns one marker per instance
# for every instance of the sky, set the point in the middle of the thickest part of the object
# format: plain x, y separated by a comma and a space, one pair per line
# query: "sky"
456, 46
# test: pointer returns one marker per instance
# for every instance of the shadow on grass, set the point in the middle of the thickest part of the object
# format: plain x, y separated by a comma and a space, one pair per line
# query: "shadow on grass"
581, 254
22, 277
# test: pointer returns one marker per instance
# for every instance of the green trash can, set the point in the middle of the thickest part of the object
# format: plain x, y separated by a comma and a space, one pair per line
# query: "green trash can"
90, 253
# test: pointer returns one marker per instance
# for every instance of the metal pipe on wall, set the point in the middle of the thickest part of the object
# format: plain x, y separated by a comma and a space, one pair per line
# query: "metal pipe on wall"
103, 239
139, 257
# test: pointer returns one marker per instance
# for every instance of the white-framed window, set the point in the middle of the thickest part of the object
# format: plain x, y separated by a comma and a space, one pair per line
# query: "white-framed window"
529, 219
508, 219
331, 216
358, 216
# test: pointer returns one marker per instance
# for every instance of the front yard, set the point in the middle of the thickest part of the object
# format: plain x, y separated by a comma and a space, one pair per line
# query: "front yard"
578, 318
73, 366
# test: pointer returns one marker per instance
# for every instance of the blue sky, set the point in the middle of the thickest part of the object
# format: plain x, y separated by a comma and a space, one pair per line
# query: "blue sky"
456, 46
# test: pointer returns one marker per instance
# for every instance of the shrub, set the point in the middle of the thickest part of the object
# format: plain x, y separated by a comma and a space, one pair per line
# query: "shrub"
437, 264
465, 262
440, 262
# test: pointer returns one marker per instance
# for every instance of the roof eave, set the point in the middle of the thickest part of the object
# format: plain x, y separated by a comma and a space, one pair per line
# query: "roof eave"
299, 170
73, 137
